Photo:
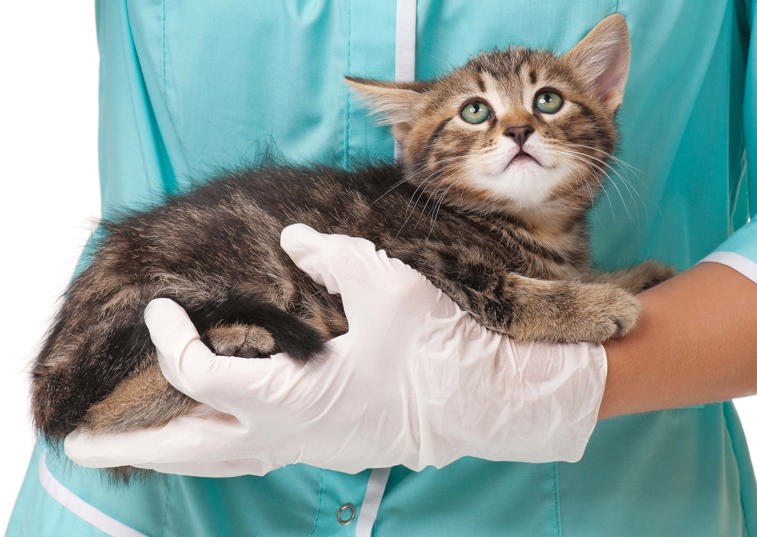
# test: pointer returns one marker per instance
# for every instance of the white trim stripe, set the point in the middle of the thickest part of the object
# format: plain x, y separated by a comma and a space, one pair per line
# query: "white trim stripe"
404, 44
404, 71
374, 492
404, 48
79, 507
737, 262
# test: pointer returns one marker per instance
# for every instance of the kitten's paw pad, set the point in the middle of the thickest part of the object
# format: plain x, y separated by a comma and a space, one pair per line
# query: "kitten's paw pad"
240, 340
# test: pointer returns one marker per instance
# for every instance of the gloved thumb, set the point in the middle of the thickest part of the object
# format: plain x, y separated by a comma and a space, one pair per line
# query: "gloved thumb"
192, 368
366, 278
172, 332
334, 261
170, 328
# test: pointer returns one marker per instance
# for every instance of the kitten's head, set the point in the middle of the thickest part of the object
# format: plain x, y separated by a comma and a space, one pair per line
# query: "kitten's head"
521, 130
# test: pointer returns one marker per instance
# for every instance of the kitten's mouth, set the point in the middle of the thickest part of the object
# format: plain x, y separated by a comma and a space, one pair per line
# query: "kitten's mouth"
522, 157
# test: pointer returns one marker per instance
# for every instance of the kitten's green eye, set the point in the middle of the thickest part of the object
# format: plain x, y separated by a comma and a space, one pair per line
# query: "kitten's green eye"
475, 112
548, 101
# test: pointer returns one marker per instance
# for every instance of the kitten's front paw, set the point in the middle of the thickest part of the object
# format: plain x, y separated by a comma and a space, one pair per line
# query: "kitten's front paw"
653, 273
568, 312
613, 312
240, 340
639, 278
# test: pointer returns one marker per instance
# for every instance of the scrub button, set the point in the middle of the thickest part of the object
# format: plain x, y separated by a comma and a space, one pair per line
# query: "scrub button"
345, 514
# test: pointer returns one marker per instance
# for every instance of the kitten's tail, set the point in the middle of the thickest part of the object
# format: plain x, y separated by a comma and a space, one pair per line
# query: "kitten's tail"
290, 334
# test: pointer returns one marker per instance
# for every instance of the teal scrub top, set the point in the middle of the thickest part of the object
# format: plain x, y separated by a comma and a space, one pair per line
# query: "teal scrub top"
192, 87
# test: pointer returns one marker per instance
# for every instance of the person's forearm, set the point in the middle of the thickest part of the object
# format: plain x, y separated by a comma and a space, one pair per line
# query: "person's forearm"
696, 342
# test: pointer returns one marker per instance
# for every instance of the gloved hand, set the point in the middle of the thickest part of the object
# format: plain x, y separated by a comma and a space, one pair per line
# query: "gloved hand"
415, 381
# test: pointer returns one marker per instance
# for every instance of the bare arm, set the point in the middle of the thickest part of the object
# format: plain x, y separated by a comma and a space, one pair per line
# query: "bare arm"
696, 342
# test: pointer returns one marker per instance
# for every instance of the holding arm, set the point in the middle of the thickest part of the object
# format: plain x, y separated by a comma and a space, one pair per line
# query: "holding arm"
696, 342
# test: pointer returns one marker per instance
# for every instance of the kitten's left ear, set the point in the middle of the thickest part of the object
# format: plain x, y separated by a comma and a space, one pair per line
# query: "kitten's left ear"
397, 103
602, 59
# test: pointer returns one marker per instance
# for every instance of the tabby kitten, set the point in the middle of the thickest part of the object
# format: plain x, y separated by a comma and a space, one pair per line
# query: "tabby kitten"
502, 159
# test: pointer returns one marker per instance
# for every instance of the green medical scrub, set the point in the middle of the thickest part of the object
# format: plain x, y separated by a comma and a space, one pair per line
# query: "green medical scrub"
189, 88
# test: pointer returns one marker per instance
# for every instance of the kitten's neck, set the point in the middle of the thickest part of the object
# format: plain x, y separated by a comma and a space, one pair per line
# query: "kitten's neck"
551, 219
559, 231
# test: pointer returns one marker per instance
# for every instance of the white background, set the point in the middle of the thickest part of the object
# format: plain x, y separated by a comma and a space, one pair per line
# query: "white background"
49, 197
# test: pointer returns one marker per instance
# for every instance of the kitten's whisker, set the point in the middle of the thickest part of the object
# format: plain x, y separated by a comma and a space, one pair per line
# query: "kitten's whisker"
609, 172
390, 189
415, 200
611, 156
422, 188
599, 170
620, 195
444, 166
600, 162
407, 177
442, 171
632, 190
585, 182
448, 164
431, 196
439, 206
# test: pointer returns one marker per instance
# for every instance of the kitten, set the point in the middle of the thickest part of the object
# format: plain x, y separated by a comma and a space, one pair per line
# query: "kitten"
502, 159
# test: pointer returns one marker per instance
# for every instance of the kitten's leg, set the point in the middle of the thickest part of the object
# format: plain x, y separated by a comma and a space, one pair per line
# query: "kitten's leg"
636, 279
143, 399
146, 399
546, 310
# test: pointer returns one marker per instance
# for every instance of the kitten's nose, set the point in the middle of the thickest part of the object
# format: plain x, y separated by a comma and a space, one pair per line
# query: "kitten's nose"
519, 133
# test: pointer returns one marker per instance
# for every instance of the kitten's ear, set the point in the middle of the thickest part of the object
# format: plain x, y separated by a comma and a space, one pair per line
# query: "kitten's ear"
397, 103
602, 59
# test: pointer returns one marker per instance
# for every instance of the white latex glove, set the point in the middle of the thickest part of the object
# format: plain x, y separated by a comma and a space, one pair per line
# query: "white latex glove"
415, 382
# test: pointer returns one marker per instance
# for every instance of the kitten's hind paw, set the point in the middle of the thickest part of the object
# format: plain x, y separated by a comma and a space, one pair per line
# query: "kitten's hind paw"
240, 340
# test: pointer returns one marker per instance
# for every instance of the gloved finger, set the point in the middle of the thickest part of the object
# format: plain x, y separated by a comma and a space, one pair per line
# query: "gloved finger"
322, 255
198, 443
229, 384
170, 328
234, 468
352, 266
225, 383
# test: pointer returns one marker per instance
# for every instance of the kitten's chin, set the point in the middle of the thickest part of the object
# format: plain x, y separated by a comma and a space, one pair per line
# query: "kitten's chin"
523, 184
